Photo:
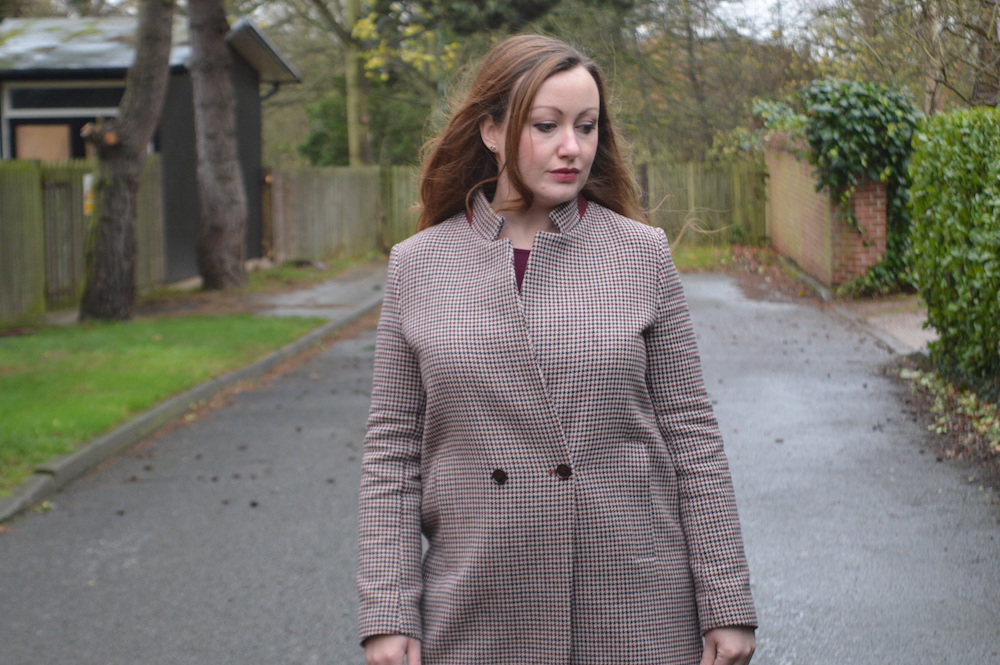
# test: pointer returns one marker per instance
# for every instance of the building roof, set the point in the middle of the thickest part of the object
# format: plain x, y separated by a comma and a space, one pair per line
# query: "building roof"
107, 43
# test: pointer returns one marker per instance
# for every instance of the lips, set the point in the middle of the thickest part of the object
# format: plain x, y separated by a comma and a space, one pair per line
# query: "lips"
565, 175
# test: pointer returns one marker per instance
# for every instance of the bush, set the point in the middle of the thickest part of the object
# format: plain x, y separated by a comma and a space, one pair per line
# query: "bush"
955, 242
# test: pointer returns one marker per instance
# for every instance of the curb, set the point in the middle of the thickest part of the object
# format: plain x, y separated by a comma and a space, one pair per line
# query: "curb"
887, 339
825, 294
56, 474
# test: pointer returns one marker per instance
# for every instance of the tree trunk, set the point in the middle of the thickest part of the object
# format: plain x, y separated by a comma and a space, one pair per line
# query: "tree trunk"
986, 88
358, 149
121, 146
221, 191
693, 71
933, 69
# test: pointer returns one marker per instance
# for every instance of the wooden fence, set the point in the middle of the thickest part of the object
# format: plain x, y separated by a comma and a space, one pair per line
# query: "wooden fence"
310, 213
316, 213
707, 203
320, 212
43, 235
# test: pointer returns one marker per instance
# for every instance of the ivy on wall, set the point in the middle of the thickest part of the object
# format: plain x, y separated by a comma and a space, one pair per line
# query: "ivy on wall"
862, 131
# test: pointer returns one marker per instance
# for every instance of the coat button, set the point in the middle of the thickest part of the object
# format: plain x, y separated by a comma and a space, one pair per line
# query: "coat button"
564, 471
499, 476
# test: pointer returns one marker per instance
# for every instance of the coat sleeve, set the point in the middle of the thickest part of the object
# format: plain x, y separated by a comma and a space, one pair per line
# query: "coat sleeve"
707, 501
389, 540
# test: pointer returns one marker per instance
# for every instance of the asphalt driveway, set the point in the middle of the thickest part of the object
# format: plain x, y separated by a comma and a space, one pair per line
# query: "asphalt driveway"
230, 538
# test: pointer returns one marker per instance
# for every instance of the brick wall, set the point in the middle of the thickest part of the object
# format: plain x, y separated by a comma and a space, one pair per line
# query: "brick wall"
805, 225
855, 252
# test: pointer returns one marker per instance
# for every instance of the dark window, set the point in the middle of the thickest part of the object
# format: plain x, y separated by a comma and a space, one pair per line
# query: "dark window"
65, 98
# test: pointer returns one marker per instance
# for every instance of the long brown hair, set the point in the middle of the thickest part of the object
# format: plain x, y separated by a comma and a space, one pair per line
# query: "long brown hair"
506, 82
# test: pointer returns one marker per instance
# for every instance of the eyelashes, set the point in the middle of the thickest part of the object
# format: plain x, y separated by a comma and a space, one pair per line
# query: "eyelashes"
548, 127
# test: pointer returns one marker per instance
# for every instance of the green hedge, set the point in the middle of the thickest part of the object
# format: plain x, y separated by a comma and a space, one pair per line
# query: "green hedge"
955, 241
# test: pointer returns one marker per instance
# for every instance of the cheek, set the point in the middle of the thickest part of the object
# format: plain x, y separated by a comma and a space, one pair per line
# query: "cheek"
590, 151
526, 151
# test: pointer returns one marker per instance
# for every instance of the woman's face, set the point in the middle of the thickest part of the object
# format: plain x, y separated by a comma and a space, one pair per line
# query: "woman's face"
558, 141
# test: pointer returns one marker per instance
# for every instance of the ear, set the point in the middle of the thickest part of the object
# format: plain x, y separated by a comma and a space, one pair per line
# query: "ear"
490, 133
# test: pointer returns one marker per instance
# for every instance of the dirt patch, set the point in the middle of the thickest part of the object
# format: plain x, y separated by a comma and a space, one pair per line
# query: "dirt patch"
184, 303
953, 435
763, 275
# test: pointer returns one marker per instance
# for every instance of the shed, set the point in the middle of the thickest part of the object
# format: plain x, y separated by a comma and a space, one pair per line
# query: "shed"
58, 74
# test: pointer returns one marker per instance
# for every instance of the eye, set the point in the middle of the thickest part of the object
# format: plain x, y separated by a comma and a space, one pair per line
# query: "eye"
587, 128
545, 126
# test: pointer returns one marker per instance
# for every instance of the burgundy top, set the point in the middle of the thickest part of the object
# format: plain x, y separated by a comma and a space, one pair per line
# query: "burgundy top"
520, 264
521, 255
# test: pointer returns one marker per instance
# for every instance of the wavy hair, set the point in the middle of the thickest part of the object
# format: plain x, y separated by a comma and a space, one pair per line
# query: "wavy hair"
505, 85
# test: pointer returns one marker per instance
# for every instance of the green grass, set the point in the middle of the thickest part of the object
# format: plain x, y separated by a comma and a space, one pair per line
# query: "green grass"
694, 258
60, 387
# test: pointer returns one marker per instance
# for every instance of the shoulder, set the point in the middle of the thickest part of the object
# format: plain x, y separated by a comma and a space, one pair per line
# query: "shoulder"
623, 233
433, 240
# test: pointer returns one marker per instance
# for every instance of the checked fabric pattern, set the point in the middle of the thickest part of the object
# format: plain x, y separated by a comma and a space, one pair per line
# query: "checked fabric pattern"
556, 448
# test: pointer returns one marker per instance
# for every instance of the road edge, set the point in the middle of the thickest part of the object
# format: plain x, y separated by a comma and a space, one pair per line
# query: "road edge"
55, 474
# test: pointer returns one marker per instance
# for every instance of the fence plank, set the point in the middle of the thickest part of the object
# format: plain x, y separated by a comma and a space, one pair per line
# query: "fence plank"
151, 248
22, 243
65, 232
399, 199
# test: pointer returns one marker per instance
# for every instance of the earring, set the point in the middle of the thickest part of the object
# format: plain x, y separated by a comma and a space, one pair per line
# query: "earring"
493, 148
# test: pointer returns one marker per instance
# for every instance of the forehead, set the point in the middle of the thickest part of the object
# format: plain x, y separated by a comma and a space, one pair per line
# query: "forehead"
571, 87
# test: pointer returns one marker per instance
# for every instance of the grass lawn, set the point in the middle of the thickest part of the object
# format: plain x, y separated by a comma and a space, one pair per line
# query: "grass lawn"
60, 387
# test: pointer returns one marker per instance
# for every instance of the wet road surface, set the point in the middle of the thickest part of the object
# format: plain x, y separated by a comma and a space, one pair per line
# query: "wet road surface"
230, 539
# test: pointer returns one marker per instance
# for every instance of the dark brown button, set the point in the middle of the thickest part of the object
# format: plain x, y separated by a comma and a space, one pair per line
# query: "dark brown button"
563, 471
499, 476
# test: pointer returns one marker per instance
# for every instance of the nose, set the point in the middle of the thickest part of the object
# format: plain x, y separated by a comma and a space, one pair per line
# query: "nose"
569, 146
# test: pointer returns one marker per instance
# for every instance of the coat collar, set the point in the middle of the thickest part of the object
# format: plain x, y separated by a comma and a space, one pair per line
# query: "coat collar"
487, 223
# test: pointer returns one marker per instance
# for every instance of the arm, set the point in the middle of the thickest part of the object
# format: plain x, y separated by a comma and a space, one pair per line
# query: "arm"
389, 542
707, 502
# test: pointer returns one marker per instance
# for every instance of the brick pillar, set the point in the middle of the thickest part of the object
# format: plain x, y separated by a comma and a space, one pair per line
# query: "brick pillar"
853, 252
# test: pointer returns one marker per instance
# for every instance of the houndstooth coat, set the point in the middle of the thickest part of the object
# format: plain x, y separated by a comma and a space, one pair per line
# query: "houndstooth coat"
556, 448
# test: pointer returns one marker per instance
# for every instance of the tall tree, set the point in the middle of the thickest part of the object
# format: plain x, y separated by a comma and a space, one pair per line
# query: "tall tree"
221, 190
121, 144
986, 35
948, 48
684, 72
339, 18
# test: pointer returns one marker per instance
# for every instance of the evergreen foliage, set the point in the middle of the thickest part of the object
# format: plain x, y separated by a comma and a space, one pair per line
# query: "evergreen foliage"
955, 252
397, 128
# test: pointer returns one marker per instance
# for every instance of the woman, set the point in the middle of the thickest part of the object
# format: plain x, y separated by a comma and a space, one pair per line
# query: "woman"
538, 412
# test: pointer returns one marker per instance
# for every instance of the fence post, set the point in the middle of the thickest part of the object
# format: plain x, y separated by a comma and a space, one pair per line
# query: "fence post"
22, 243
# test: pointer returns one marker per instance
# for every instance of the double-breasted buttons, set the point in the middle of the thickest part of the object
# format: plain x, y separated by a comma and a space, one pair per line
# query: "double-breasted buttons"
564, 471
499, 476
